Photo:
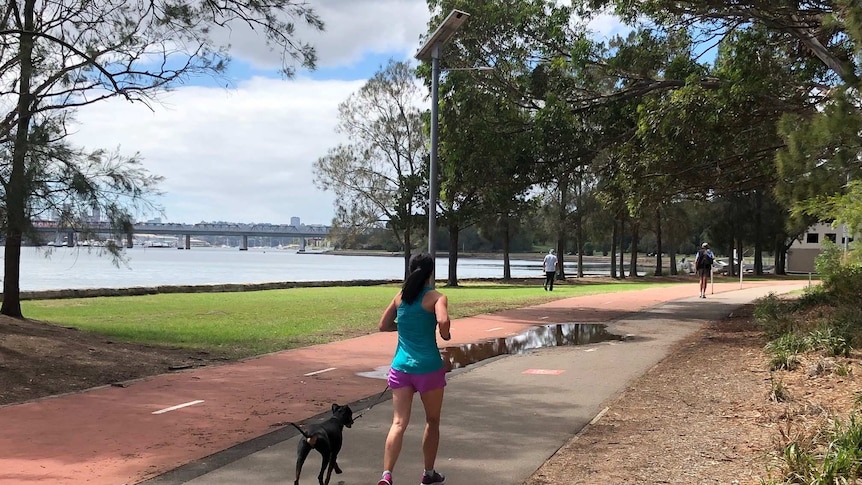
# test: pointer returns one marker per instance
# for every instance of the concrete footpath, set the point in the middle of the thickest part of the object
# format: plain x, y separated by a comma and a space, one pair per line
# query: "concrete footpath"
502, 418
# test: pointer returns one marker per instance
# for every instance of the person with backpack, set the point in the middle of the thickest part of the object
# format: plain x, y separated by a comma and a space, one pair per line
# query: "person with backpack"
703, 266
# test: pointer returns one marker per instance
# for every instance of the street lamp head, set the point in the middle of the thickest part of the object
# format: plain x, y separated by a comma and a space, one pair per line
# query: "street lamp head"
444, 32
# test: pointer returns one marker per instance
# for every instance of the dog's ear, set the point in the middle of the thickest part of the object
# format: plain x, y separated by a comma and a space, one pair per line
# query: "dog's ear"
335, 407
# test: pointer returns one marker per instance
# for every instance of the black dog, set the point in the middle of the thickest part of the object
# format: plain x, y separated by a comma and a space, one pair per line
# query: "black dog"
326, 438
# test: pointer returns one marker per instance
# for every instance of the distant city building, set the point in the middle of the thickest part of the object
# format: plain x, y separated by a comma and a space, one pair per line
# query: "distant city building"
802, 253
294, 221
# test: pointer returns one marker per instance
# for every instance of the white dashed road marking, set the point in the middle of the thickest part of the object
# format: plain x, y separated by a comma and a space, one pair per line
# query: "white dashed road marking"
319, 372
178, 406
495, 328
544, 372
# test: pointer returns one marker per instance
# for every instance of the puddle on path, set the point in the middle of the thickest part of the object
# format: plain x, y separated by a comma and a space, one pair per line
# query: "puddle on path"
553, 335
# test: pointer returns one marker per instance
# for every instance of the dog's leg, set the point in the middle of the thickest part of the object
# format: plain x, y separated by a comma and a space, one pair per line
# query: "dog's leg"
302, 450
322, 469
333, 465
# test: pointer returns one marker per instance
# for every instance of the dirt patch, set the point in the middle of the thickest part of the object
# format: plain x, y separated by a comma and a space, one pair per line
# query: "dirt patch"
706, 415
40, 359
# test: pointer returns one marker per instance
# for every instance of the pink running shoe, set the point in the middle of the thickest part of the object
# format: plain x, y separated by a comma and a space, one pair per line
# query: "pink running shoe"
386, 480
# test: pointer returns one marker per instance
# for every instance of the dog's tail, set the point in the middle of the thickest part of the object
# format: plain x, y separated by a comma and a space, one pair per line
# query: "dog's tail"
310, 439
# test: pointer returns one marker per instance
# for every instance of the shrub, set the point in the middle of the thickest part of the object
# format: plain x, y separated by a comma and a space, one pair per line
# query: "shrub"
783, 360
844, 452
811, 297
788, 343
773, 315
848, 318
831, 340
843, 370
769, 307
841, 279
831, 455
778, 393
784, 350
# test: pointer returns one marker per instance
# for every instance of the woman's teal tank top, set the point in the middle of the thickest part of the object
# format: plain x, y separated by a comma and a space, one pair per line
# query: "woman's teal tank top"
417, 351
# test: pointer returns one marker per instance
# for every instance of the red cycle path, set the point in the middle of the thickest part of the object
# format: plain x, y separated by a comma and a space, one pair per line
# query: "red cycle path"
109, 435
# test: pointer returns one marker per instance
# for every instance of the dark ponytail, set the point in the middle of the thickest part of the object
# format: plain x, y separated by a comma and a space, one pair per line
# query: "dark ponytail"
421, 268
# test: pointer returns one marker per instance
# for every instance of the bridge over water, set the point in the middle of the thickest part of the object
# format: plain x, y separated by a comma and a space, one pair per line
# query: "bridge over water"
184, 232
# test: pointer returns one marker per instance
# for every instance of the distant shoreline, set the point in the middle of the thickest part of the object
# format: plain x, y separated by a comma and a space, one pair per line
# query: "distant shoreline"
498, 256
440, 254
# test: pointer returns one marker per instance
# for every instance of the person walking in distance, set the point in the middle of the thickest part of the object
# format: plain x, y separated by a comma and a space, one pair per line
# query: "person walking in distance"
703, 266
416, 312
550, 266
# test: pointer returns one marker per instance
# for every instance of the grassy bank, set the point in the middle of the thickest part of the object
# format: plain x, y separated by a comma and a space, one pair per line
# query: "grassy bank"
250, 323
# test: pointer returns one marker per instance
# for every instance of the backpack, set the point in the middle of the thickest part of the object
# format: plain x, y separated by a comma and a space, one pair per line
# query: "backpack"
705, 260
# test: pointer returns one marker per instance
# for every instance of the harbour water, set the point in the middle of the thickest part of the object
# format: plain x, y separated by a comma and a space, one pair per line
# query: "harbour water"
77, 268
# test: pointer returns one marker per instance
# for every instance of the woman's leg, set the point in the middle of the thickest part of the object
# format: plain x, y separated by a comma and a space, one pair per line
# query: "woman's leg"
433, 402
402, 402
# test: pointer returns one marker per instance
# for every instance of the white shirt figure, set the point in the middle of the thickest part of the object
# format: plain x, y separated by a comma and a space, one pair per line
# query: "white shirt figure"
550, 262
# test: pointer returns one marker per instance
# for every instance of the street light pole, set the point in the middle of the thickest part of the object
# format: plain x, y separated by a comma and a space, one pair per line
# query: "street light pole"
433, 171
431, 51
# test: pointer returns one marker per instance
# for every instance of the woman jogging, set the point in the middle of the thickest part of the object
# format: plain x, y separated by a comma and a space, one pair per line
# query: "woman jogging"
415, 313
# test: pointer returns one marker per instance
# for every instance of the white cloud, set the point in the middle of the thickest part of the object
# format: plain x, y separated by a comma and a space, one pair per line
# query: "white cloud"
353, 29
358, 27
606, 26
242, 155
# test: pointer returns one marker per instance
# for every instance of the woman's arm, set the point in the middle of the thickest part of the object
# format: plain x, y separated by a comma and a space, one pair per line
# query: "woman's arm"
387, 320
441, 310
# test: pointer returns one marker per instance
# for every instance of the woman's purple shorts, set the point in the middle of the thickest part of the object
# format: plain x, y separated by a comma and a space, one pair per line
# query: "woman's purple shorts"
419, 382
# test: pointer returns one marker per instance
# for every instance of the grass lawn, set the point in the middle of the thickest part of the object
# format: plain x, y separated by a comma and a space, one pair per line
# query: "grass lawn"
250, 323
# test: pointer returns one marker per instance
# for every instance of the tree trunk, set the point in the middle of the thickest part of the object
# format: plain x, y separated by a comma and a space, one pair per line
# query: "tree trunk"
454, 232
622, 248
561, 228
758, 233
561, 255
407, 252
781, 256
579, 234
16, 192
739, 255
658, 262
507, 243
780, 253
633, 261
614, 251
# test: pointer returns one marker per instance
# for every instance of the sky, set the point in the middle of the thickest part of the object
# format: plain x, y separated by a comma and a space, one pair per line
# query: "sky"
244, 151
